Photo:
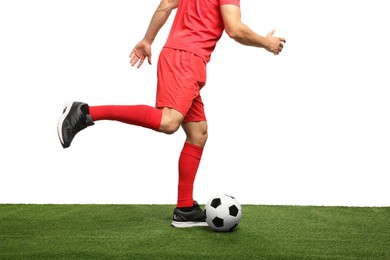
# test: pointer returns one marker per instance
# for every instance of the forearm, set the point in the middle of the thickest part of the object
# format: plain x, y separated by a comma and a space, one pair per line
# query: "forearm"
244, 35
241, 33
159, 18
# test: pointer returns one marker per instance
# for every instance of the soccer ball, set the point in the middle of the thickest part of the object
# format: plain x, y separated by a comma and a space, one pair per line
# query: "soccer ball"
223, 213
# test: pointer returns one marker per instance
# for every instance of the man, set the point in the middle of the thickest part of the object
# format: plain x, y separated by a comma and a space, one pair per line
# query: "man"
197, 27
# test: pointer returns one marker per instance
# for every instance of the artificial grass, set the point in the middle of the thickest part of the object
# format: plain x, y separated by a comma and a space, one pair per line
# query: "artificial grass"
144, 232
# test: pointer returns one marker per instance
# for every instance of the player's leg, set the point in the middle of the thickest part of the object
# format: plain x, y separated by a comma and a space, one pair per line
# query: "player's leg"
165, 120
189, 160
186, 84
77, 116
187, 212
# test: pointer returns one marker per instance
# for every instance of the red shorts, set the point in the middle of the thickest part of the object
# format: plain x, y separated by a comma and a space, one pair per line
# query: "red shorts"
181, 75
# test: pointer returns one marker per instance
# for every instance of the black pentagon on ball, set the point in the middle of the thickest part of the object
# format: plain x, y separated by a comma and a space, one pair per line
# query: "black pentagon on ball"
218, 222
215, 203
233, 211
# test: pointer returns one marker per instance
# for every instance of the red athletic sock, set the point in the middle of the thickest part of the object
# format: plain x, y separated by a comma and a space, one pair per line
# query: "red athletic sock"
140, 115
188, 166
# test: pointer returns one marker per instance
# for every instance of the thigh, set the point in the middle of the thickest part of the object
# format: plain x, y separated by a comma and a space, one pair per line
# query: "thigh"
196, 111
179, 80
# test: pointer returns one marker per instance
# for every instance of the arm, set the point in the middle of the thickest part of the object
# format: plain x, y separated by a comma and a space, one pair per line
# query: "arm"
143, 49
241, 33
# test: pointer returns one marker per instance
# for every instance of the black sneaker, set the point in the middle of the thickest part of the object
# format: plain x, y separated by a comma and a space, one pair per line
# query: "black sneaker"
195, 217
75, 118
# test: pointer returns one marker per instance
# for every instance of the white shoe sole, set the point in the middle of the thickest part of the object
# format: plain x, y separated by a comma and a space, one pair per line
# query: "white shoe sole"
68, 106
188, 224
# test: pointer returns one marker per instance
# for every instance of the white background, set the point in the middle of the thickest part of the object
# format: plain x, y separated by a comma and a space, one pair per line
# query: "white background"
308, 127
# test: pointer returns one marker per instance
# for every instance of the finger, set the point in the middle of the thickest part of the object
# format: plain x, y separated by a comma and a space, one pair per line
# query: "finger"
133, 60
150, 60
282, 40
137, 53
131, 56
271, 32
140, 64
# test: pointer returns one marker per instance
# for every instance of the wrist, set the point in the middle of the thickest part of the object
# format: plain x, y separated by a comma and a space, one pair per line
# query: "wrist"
148, 40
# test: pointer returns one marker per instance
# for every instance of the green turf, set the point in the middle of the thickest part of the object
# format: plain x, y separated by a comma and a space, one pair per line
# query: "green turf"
144, 232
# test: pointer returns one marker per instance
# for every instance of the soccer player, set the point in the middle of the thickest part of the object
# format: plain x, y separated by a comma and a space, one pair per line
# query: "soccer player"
196, 29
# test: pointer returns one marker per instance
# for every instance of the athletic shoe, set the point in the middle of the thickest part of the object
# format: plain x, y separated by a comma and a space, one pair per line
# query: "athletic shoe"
75, 118
194, 217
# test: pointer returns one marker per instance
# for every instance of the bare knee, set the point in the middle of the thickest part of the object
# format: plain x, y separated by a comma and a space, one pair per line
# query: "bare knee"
169, 126
198, 139
171, 121
196, 133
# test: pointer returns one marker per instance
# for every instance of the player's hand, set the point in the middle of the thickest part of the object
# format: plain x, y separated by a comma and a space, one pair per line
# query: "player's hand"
275, 44
140, 52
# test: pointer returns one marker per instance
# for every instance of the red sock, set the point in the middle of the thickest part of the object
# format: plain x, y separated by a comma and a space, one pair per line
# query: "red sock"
140, 115
188, 166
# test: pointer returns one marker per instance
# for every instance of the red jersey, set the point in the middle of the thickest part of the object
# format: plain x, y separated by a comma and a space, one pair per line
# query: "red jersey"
198, 26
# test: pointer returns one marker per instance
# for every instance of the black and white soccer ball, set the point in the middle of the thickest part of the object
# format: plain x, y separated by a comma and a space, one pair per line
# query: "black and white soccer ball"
223, 212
